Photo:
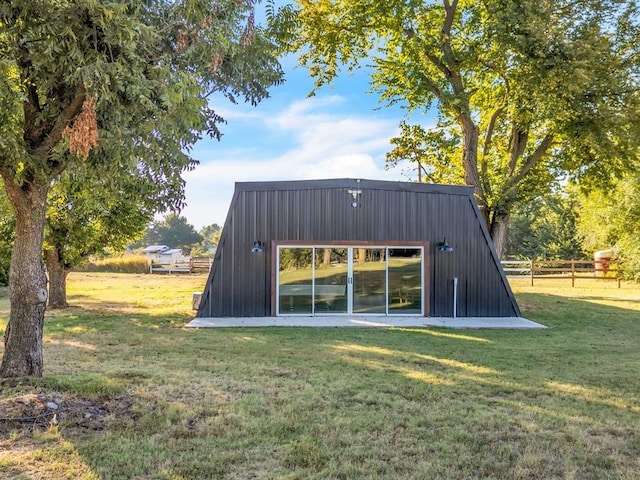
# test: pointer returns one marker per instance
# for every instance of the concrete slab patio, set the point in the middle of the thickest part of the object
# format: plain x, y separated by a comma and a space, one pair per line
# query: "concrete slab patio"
367, 322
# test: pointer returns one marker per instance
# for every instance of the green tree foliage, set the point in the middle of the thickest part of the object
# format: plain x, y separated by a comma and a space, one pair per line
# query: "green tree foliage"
210, 235
430, 152
610, 219
528, 89
295, 258
174, 231
111, 85
545, 229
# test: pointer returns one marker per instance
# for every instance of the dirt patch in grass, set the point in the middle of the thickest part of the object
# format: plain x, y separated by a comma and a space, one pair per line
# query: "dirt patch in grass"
40, 411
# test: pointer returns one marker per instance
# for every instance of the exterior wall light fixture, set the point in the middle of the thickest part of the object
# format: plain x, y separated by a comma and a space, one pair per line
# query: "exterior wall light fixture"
444, 246
354, 194
258, 247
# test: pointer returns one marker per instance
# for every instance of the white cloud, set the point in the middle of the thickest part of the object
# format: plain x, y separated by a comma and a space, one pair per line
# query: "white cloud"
309, 139
310, 109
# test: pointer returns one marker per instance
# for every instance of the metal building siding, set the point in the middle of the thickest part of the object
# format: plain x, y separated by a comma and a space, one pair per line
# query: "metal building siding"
240, 283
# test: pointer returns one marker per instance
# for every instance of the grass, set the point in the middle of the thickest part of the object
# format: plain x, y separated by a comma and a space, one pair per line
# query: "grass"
141, 397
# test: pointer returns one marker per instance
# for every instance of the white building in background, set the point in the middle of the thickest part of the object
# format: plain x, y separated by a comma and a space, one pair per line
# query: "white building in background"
163, 254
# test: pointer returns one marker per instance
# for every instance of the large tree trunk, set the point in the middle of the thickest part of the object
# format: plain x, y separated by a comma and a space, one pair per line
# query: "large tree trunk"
498, 231
27, 282
496, 222
57, 278
470, 134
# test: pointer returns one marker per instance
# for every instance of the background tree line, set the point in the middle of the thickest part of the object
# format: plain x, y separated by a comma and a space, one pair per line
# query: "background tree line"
564, 224
72, 243
175, 231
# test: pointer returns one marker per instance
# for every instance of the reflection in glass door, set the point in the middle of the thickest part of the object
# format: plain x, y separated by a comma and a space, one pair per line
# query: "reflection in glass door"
331, 276
369, 280
405, 281
295, 281
344, 280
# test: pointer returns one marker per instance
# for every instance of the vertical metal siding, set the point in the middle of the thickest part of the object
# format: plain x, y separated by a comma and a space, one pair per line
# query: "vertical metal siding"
320, 211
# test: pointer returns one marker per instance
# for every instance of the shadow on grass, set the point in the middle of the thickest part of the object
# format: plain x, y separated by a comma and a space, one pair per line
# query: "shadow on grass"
87, 319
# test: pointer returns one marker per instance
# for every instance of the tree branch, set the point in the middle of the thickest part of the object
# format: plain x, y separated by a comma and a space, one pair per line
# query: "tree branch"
488, 138
450, 9
71, 111
517, 147
445, 36
531, 161
31, 106
411, 34
489, 135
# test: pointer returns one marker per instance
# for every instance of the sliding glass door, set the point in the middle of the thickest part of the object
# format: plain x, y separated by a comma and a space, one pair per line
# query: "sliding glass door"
330, 280
405, 281
295, 284
369, 280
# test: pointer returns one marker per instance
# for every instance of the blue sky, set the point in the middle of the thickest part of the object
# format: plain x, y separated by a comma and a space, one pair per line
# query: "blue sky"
339, 133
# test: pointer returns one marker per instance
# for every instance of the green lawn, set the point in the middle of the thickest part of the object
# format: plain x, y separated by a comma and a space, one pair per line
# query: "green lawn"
141, 397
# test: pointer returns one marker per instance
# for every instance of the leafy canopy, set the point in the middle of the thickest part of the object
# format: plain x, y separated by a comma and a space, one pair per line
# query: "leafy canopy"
141, 73
526, 91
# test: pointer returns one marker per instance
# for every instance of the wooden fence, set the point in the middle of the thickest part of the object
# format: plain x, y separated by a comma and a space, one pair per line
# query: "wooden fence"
193, 265
567, 269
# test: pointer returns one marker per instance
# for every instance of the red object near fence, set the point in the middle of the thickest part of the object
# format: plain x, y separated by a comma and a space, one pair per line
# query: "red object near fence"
602, 262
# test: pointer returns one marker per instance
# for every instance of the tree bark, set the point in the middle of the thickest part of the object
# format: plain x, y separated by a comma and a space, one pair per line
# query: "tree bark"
470, 134
498, 232
326, 257
27, 282
57, 278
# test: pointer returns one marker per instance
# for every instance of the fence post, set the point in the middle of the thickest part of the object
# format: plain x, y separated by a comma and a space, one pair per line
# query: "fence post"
573, 273
531, 271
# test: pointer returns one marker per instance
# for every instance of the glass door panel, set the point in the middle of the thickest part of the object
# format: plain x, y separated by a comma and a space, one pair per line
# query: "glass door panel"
369, 280
405, 281
345, 280
295, 281
331, 273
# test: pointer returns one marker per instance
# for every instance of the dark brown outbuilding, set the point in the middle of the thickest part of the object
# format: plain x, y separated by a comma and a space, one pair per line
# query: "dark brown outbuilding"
347, 246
